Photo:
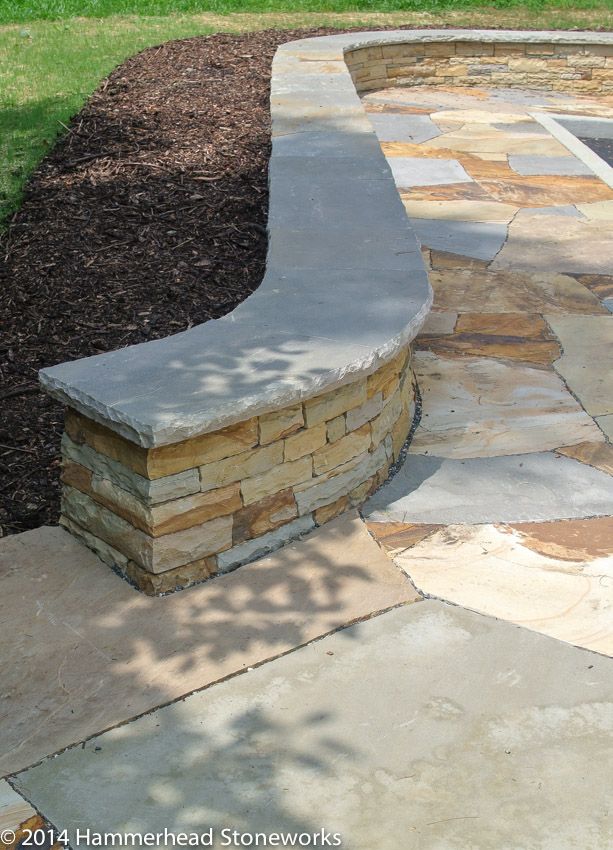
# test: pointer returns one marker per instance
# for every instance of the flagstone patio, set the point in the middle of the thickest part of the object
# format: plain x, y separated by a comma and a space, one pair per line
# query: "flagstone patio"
514, 366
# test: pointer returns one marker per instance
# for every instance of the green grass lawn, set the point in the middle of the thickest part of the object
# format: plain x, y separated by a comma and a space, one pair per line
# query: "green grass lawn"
48, 67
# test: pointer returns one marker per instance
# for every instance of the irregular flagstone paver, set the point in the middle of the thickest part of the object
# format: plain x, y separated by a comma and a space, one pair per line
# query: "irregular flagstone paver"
546, 244
605, 423
438, 323
481, 407
513, 336
473, 290
535, 191
516, 488
598, 455
600, 284
466, 712
556, 578
600, 210
412, 171
566, 209
587, 362
416, 128
461, 210
495, 141
555, 165
477, 239
99, 653
14, 810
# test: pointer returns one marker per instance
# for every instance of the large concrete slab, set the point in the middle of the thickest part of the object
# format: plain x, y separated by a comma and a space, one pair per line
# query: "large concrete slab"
540, 486
426, 728
82, 650
555, 578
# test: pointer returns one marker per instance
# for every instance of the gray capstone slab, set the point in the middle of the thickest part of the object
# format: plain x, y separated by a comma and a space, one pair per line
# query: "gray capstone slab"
516, 488
427, 727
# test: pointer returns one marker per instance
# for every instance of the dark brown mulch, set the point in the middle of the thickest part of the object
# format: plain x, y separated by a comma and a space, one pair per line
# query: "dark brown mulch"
149, 216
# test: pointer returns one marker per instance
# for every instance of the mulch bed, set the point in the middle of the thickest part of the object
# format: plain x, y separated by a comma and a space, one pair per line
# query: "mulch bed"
148, 217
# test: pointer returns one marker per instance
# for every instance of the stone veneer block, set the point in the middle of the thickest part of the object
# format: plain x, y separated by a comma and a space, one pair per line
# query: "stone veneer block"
310, 496
153, 554
278, 478
245, 465
332, 404
263, 545
280, 423
342, 451
264, 516
148, 491
306, 442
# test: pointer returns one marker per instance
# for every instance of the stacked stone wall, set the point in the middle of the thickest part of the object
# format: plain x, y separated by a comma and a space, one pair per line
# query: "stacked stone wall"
174, 515
577, 68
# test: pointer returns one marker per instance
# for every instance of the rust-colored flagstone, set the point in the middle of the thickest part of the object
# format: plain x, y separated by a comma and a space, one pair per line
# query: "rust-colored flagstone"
541, 191
535, 352
527, 325
399, 536
569, 539
473, 290
600, 284
598, 455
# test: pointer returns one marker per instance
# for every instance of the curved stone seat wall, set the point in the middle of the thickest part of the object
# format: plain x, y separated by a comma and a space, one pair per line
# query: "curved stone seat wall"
190, 456
564, 62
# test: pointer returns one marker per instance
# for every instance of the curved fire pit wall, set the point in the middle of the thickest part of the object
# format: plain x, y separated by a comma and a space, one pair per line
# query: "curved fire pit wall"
189, 456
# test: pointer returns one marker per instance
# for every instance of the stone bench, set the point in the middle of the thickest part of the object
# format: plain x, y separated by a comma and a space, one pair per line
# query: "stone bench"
189, 456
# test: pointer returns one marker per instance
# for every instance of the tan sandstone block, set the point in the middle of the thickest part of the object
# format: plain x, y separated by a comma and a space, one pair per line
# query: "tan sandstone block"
305, 442
400, 431
280, 423
440, 49
82, 430
365, 412
163, 460
76, 475
194, 510
154, 554
264, 516
166, 517
332, 404
383, 424
244, 465
452, 71
509, 50
336, 428
379, 379
175, 579
348, 447
279, 478
401, 51
359, 494
527, 66
329, 512
204, 449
